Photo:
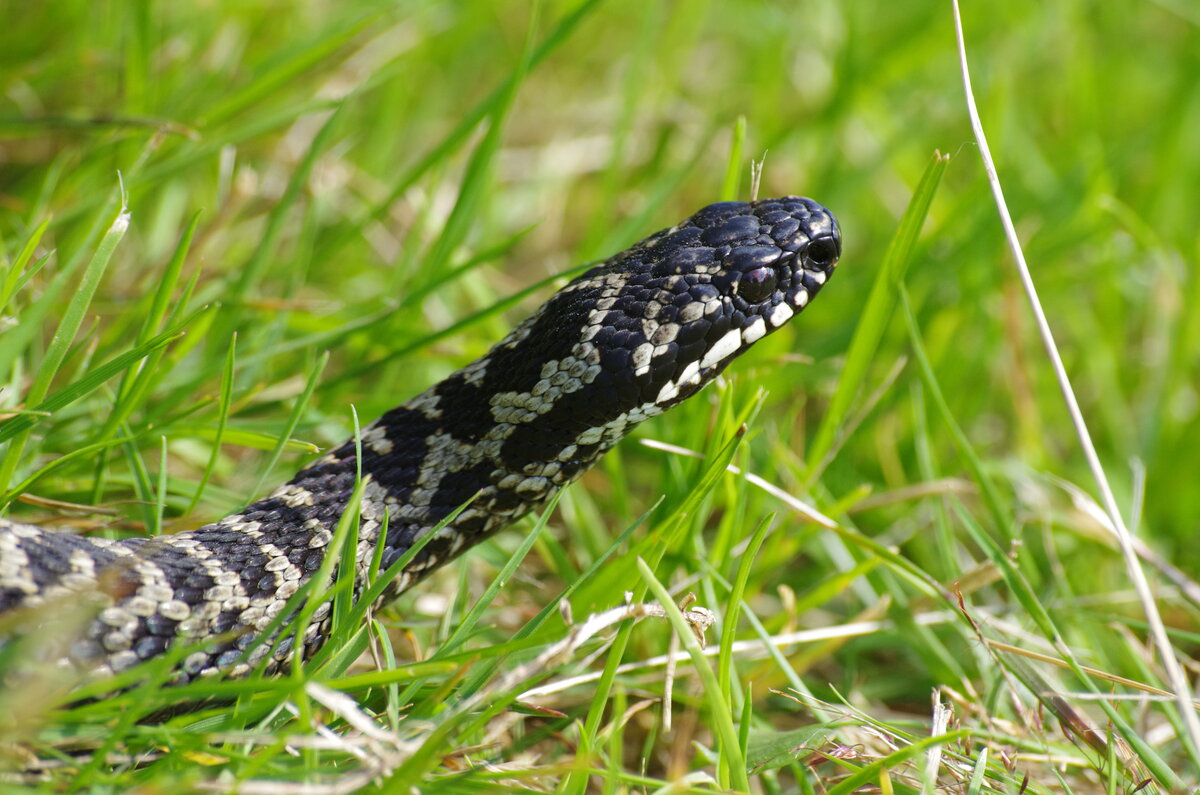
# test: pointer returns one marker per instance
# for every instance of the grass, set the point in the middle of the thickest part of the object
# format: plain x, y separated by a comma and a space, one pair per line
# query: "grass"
332, 206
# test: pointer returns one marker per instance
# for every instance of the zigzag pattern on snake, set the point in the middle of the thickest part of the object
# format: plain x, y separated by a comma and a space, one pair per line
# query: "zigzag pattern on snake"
625, 341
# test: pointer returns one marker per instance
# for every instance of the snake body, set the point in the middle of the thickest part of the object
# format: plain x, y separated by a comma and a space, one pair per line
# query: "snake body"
625, 341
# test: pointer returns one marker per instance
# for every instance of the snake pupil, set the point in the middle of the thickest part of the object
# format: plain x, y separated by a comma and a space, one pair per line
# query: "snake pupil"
757, 285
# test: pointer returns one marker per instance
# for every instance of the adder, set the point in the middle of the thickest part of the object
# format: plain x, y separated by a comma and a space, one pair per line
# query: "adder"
625, 341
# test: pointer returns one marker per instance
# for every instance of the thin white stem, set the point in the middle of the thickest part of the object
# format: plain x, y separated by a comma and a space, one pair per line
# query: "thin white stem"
1175, 675
743, 648
807, 511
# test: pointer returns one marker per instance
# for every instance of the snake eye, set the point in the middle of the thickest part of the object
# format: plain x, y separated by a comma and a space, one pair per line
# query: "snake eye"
757, 285
822, 252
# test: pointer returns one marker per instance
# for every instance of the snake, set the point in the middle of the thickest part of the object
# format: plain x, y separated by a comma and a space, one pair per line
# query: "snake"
624, 341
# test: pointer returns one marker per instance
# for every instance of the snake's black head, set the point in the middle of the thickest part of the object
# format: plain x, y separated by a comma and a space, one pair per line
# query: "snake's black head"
679, 306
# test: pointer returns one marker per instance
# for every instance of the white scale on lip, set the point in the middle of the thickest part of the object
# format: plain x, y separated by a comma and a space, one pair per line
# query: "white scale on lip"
780, 315
689, 377
755, 331
729, 344
722, 348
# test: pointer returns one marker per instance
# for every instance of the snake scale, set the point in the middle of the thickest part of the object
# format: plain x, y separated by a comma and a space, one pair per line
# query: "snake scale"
624, 341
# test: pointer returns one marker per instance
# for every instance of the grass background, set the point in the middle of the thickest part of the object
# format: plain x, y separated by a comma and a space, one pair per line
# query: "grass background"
397, 183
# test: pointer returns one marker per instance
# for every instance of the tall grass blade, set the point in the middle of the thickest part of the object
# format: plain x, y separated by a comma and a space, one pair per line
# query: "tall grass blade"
876, 314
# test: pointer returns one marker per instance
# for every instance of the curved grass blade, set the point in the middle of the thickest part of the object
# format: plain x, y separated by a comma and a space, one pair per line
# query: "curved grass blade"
730, 744
64, 336
876, 315
12, 428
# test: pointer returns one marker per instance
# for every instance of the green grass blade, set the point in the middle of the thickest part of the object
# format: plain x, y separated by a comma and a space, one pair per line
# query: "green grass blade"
166, 284
287, 67
876, 315
734, 605
871, 772
223, 402
470, 120
730, 746
94, 378
249, 273
79, 453
466, 206
160, 493
323, 577
468, 623
484, 670
16, 275
975, 785
64, 336
456, 328
314, 375
733, 172
347, 574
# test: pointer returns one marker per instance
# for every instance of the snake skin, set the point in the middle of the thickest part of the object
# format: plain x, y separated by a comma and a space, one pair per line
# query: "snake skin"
623, 342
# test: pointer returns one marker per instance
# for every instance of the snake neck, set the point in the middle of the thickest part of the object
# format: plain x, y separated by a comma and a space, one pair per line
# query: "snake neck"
427, 458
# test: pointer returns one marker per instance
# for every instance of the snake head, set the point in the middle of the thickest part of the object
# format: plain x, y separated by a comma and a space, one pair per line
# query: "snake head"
679, 306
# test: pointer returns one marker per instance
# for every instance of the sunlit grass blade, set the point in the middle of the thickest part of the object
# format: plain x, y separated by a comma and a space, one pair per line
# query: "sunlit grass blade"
730, 746
13, 428
310, 385
17, 274
876, 314
252, 440
64, 336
